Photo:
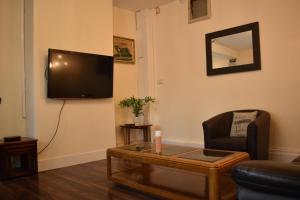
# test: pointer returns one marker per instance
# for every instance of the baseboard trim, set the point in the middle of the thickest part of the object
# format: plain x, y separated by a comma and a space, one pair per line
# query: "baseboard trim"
71, 159
277, 154
283, 154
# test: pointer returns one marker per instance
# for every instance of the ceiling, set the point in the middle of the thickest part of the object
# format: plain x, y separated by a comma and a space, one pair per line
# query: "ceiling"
135, 5
237, 41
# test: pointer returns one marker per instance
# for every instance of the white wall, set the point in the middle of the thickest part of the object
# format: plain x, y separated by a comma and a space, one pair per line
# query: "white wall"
188, 96
146, 61
11, 69
126, 75
87, 126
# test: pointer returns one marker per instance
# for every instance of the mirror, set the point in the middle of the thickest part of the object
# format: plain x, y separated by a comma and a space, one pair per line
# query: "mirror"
233, 50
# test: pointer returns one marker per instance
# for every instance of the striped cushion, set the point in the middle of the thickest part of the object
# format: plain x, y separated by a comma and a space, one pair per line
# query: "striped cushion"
240, 123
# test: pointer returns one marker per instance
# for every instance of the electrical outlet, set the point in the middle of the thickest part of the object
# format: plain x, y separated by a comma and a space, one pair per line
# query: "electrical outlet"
160, 81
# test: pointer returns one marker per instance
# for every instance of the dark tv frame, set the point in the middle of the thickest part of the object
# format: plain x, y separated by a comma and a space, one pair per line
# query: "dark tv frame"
84, 96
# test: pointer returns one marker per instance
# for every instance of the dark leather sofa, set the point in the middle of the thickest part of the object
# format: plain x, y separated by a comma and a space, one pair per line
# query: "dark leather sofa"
267, 180
217, 134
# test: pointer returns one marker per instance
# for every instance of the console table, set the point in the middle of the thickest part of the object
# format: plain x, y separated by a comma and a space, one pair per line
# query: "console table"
128, 127
18, 158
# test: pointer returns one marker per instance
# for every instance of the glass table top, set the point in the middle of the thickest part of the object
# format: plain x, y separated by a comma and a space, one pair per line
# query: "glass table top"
207, 155
170, 150
138, 147
191, 153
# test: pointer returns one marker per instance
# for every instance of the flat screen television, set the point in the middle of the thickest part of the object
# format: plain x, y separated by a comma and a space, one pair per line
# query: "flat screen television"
74, 75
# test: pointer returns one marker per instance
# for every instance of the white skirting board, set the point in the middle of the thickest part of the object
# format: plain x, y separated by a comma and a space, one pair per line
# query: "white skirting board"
284, 154
276, 154
71, 159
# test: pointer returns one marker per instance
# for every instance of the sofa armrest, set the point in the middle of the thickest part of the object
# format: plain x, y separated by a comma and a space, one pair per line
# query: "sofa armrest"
258, 137
268, 176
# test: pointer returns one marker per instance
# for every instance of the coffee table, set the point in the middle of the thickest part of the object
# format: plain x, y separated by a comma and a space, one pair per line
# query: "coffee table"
139, 167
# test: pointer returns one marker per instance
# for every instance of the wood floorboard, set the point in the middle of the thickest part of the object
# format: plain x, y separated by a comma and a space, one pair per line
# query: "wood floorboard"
80, 182
89, 182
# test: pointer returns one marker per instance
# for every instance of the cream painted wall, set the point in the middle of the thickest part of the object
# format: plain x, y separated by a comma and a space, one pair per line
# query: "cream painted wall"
11, 68
87, 126
188, 96
126, 75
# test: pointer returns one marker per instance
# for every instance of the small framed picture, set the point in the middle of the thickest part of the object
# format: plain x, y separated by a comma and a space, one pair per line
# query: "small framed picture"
199, 10
124, 50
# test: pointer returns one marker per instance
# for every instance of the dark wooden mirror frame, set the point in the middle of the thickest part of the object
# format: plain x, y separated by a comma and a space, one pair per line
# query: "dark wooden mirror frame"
238, 68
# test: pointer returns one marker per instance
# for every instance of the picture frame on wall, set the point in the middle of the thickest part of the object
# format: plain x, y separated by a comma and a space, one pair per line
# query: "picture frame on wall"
124, 50
199, 10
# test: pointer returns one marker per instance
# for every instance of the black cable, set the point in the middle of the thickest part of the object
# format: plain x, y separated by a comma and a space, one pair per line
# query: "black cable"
57, 126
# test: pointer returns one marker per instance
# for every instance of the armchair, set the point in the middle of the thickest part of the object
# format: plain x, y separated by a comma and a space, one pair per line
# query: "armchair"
217, 134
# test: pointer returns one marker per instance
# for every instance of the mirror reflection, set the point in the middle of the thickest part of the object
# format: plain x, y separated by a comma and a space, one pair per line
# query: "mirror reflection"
232, 50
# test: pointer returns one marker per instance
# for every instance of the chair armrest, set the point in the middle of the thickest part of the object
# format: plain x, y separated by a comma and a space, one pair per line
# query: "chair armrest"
297, 160
258, 137
216, 127
268, 176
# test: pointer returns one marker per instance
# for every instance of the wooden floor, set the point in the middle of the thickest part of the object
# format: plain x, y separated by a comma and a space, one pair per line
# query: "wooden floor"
86, 181
89, 181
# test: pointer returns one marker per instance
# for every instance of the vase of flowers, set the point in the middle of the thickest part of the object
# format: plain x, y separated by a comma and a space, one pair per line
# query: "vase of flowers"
136, 104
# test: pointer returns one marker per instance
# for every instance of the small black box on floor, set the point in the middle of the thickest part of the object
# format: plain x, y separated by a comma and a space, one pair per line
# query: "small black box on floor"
12, 138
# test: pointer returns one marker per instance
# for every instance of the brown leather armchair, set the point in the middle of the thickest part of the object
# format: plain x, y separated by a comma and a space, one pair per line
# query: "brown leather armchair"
217, 134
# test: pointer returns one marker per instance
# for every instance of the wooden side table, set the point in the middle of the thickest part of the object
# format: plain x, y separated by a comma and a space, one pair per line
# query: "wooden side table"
146, 131
18, 158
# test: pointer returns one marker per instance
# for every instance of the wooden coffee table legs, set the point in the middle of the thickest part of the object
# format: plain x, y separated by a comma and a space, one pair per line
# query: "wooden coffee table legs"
214, 184
108, 162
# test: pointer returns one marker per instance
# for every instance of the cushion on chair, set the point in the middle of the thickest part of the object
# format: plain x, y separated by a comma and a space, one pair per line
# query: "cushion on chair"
240, 123
230, 143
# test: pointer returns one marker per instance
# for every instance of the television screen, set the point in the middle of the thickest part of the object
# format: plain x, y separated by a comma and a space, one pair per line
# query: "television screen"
79, 75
